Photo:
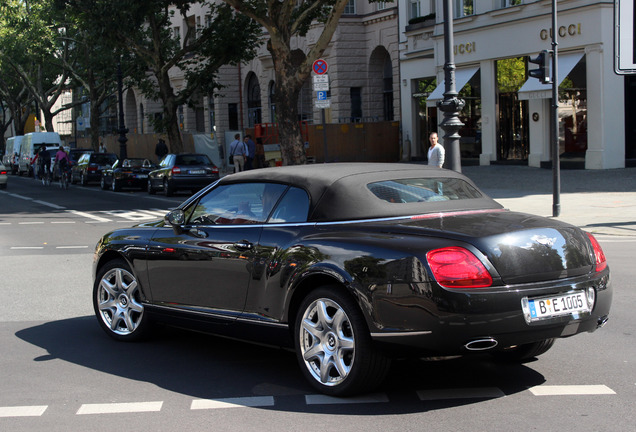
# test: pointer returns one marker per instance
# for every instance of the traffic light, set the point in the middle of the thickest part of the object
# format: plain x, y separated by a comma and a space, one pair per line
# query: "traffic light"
543, 72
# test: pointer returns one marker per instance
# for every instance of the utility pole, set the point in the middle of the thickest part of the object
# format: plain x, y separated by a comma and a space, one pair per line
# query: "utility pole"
556, 162
450, 105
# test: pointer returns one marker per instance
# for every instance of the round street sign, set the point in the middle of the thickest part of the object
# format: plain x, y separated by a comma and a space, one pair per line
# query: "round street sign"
320, 67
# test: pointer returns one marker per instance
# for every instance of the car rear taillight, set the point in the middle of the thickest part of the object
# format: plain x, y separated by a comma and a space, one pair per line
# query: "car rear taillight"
456, 267
92, 168
215, 170
3, 172
176, 170
599, 255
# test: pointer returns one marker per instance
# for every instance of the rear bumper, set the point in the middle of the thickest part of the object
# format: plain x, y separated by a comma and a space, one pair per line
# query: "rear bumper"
447, 324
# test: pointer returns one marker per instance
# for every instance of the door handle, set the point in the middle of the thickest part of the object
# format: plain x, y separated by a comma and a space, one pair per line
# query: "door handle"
243, 245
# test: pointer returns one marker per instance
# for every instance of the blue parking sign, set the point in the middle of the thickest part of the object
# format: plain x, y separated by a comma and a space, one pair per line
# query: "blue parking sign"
322, 95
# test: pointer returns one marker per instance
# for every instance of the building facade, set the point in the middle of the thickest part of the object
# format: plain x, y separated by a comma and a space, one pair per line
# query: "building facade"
507, 113
363, 73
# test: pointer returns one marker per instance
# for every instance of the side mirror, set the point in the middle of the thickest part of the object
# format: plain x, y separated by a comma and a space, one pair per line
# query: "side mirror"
176, 219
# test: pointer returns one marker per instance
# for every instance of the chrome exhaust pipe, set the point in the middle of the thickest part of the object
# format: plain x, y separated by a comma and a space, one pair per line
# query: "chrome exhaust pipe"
602, 321
481, 344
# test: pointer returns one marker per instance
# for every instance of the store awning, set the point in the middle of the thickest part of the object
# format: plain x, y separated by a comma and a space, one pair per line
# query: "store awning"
462, 76
534, 89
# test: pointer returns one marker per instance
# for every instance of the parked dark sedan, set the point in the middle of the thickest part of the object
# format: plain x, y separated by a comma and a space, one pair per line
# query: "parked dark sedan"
188, 171
132, 172
90, 165
352, 265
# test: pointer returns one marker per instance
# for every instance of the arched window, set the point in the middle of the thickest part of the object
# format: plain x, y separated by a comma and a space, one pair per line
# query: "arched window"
272, 104
254, 114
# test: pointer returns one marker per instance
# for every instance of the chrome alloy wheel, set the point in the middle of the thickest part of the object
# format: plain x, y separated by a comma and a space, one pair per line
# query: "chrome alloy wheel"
118, 302
327, 342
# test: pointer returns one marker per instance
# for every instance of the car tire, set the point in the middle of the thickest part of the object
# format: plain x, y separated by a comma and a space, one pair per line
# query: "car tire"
150, 189
333, 344
102, 183
114, 186
83, 181
168, 188
524, 352
117, 301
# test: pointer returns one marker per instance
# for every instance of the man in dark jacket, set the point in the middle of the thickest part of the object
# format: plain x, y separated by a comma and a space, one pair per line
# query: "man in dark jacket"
161, 149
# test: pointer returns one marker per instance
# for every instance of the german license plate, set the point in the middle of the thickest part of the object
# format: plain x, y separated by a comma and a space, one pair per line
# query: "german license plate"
141, 176
558, 305
197, 171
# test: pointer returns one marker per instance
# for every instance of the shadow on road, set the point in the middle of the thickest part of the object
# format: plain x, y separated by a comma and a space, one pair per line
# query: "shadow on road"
209, 367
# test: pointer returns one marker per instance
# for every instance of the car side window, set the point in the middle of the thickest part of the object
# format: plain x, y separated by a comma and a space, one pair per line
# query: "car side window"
241, 203
293, 207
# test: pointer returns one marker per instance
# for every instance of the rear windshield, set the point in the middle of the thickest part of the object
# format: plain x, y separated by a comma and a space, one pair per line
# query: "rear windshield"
423, 190
103, 159
133, 163
193, 160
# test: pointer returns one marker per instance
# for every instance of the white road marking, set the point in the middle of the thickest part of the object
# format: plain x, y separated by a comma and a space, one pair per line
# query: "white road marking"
244, 402
63, 222
318, 399
5, 223
117, 408
155, 212
95, 218
21, 197
30, 223
23, 411
55, 206
569, 390
461, 393
25, 247
130, 215
71, 247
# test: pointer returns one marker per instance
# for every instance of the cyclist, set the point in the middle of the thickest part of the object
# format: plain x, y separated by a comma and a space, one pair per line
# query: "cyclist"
62, 161
44, 164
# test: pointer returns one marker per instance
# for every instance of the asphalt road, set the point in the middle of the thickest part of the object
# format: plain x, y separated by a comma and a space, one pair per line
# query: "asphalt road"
60, 372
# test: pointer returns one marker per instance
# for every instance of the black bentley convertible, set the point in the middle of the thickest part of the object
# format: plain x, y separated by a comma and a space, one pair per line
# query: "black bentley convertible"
352, 265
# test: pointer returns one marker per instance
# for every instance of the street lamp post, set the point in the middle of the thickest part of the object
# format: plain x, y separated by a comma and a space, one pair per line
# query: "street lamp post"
123, 153
451, 104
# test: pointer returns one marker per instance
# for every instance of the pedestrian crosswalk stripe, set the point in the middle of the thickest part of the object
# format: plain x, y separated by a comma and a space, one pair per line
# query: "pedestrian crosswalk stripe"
116, 408
244, 402
23, 411
461, 393
318, 399
89, 216
568, 390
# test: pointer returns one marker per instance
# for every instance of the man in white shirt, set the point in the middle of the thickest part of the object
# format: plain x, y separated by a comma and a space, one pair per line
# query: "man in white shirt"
436, 151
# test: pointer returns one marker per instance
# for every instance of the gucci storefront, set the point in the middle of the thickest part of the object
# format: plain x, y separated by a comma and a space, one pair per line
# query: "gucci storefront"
507, 113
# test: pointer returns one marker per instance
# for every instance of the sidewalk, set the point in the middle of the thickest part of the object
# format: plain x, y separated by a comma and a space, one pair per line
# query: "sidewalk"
599, 201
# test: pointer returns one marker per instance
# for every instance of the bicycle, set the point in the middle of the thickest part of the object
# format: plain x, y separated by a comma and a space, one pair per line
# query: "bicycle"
46, 176
64, 179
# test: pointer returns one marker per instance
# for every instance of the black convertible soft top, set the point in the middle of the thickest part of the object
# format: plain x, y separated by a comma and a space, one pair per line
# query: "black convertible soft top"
339, 192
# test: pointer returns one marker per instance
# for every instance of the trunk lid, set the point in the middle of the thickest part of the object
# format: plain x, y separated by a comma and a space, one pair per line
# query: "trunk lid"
522, 247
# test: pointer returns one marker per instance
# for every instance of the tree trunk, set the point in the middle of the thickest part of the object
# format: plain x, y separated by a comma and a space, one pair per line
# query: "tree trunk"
175, 143
171, 120
292, 145
48, 120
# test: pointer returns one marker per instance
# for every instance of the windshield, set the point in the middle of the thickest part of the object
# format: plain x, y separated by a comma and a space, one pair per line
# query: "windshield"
193, 160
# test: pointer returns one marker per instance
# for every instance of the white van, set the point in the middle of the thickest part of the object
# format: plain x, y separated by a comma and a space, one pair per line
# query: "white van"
12, 147
31, 145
